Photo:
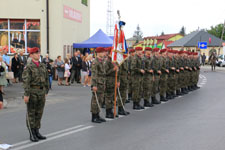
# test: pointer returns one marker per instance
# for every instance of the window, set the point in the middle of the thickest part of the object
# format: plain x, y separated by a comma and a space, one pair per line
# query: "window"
19, 34
85, 2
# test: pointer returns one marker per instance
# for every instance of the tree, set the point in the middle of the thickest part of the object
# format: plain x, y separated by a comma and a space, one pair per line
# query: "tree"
217, 31
138, 34
182, 31
162, 33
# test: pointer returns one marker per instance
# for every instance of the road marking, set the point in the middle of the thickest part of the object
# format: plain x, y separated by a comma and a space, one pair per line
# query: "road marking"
53, 138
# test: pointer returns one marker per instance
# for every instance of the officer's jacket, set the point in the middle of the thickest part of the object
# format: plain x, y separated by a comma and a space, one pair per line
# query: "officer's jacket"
165, 64
97, 73
35, 78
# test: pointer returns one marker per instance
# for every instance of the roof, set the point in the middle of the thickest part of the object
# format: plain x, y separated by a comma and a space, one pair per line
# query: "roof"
192, 39
166, 43
99, 39
162, 37
134, 39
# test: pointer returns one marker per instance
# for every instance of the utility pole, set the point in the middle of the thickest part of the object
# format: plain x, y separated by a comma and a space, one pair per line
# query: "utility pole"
221, 46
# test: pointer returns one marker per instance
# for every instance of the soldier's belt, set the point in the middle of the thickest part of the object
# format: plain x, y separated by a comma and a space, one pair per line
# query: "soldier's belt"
37, 87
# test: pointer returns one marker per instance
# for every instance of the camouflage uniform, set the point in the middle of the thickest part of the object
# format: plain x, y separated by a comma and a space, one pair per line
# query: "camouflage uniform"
36, 86
97, 80
171, 79
123, 79
163, 78
136, 77
148, 82
156, 67
129, 78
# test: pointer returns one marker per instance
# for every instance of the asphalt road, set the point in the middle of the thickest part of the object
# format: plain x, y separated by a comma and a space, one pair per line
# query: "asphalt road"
192, 122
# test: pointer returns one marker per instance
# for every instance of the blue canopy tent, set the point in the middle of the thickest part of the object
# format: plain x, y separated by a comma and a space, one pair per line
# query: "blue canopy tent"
99, 39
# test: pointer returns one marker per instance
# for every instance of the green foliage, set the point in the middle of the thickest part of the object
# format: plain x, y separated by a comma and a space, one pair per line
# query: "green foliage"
182, 31
217, 31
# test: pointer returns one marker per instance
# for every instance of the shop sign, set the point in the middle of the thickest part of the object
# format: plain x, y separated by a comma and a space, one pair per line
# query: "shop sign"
72, 14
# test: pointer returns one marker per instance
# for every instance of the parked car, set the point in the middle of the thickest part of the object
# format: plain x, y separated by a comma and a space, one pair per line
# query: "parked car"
220, 61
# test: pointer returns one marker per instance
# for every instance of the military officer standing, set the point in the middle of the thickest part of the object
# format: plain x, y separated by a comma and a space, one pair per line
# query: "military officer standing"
131, 56
136, 74
36, 86
98, 85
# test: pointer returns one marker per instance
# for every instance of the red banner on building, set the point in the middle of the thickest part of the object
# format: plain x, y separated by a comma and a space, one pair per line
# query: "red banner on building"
72, 14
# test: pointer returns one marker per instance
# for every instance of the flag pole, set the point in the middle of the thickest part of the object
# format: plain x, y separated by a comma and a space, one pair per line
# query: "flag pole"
115, 94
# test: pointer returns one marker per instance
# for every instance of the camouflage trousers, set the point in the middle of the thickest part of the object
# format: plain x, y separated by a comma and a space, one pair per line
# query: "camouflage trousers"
177, 81
136, 88
35, 108
147, 86
100, 97
163, 84
197, 76
109, 92
129, 84
182, 79
171, 84
155, 88
123, 90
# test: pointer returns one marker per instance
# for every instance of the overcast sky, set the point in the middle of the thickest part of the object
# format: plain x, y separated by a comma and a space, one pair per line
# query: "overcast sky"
155, 16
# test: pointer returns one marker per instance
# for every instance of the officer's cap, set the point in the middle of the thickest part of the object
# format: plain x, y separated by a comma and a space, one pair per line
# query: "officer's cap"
155, 49
148, 49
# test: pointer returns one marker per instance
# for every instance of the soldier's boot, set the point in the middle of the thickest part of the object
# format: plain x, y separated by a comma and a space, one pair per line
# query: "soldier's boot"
197, 87
186, 89
141, 107
168, 96
178, 92
39, 136
121, 111
33, 137
163, 99
182, 91
189, 88
146, 103
109, 114
95, 118
100, 118
172, 95
129, 98
155, 101
136, 106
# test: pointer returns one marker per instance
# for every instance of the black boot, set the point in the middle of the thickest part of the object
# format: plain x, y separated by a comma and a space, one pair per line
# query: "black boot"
121, 111
197, 87
163, 99
95, 119
135, 106
109, 114
168, 97
33, 136
103, 104
178, 92
100, 118
155, 101
39, 136
172, 95
146, 103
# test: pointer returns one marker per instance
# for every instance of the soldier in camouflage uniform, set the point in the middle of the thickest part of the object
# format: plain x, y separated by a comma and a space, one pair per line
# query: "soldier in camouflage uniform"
178, 75
164, 75
136, 76
171, 78
97, 84
36, 86
148, 78
156, 63
131, 56
110, 71
123, 78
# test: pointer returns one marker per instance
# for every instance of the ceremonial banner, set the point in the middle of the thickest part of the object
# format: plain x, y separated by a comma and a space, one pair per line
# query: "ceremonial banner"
120, 50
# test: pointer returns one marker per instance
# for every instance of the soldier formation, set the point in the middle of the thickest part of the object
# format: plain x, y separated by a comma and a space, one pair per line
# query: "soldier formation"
143, 75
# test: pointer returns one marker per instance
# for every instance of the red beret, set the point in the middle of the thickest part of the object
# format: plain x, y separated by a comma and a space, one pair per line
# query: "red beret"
100, 49
34, 50
155, 49
108, 49
180, 52
162, 51
138, 48
148, 49
131, 50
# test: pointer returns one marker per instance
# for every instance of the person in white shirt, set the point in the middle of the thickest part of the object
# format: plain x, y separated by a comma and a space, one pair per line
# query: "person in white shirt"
67, 71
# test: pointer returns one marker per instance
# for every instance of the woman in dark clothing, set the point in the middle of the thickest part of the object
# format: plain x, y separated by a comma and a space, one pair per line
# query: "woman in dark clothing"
15, 67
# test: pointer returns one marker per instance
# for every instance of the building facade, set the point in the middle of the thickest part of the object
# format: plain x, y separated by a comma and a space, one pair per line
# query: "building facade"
51, 25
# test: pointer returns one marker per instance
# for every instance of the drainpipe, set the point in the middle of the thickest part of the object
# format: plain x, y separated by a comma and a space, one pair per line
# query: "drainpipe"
47, 21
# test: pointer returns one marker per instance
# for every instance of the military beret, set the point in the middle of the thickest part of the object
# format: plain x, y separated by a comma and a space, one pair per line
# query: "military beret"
34, 50
162, 51
148, 49
100, 49
138, 48
131, 50
108, 49
155, 49
180, 52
